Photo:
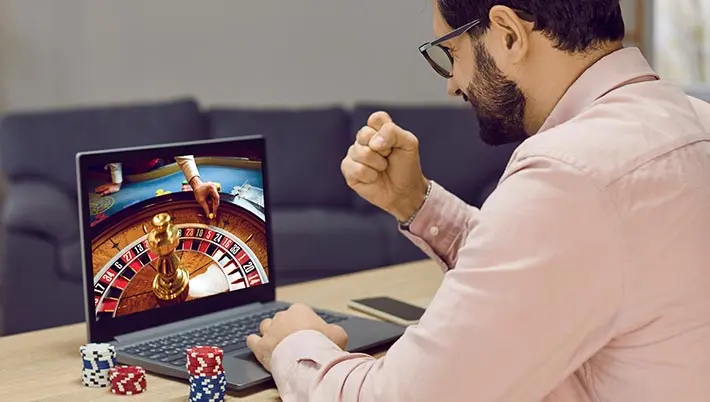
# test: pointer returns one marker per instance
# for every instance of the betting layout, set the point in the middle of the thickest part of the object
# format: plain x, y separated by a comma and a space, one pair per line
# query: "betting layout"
164, 250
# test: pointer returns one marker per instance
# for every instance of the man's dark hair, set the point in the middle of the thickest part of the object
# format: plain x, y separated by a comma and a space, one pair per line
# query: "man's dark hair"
573, 26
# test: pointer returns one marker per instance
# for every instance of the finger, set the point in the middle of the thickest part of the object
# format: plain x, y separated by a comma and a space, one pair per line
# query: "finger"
300, 308
378, 119
390, 137
264, 325
337, 334
206, 208
215, 200
278, 316
253, 343
357, 173
364, 135
365, 155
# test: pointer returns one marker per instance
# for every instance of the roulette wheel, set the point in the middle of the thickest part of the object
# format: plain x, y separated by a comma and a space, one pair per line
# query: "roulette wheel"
164, 250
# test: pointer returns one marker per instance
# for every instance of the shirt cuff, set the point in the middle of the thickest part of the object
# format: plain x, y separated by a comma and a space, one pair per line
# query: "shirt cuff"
189, 169
438, 225
296, 360
116, 173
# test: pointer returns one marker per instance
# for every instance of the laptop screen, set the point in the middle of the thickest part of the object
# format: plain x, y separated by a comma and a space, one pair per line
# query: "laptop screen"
167, 229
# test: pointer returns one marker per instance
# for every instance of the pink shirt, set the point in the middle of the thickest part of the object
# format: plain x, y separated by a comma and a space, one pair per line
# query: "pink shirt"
584, 277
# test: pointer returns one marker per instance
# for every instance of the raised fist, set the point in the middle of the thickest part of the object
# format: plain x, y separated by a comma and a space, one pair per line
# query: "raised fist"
383, 167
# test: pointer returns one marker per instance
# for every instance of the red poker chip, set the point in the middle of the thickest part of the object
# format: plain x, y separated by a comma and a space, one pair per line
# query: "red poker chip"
130, 386
205, 364
204, 360
205, 373
210, 363
123, 388
127, 380
204, 369
215, 367
125, 371
205, 351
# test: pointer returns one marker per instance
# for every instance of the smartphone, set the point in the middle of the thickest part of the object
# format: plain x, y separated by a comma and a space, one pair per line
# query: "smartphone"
388, 309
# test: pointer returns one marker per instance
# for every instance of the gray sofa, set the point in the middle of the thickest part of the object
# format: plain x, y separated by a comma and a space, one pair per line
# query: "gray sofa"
321, 228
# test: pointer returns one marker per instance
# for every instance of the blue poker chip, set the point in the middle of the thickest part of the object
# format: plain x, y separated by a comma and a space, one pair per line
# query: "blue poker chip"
213, 398
197, 397
98, 364
204, 380
208, 389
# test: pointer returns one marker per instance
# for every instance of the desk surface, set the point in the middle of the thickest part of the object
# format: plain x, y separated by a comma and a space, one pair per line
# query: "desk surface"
45, 365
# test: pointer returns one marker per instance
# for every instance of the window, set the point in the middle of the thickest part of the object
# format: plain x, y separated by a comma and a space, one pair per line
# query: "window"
681, 41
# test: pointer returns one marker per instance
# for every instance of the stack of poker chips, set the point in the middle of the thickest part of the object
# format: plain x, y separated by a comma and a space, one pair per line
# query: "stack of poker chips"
128, 380
207, 379
97, 359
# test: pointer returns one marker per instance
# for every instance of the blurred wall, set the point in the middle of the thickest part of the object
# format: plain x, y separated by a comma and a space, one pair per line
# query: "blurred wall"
237, 52
266, 52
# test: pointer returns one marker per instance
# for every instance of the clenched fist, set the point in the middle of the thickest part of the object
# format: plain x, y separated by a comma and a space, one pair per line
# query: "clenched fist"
383, 167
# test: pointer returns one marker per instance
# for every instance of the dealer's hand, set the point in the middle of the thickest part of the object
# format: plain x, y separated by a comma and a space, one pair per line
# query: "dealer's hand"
206, 195
298, 317
108, 188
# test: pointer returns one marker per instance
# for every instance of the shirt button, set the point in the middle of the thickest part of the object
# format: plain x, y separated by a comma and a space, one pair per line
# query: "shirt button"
434, 230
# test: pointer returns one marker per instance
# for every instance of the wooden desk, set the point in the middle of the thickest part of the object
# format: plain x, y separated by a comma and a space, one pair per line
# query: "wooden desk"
45, 365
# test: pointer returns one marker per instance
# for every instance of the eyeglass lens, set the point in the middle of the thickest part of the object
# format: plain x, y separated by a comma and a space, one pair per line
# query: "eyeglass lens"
439, 60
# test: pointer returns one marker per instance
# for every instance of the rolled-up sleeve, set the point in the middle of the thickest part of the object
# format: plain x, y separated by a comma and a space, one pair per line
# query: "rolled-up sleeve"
534, 293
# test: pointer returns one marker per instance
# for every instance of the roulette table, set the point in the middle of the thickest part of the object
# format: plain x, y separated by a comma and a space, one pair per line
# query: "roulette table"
170, 179
164, 250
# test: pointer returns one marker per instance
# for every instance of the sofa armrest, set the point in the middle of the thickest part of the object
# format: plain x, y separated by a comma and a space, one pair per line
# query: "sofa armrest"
41, 209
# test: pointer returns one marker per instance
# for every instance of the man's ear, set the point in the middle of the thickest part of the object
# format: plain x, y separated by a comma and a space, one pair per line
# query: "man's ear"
512, 32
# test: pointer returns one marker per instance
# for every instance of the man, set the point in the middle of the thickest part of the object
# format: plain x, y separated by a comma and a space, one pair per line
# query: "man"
205, 193
585, 275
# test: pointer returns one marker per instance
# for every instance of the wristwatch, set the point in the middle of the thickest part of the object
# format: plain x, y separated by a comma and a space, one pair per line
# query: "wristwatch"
405, 225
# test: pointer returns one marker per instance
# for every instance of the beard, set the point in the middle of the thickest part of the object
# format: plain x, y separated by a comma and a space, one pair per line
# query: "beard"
498, 101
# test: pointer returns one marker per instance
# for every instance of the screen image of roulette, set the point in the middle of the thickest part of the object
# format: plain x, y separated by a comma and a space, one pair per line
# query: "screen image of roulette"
164, 250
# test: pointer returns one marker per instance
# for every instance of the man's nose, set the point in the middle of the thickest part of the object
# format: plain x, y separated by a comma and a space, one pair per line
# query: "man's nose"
452, 89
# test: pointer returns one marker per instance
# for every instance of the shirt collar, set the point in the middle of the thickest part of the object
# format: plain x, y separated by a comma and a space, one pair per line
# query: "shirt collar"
607, 74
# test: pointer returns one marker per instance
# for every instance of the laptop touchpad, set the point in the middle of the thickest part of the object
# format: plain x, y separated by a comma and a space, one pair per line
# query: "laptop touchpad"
245, 368
248, 358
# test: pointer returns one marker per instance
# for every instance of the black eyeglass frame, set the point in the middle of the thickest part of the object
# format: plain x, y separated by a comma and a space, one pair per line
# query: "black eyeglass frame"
423, 48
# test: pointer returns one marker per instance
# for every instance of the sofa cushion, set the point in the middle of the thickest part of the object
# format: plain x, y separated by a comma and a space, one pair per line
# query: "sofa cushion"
44, 143
31, 296
304, 150
312, 243
452, 152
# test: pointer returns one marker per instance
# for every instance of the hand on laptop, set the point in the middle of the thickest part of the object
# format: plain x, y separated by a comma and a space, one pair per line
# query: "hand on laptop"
298, 317
383, 167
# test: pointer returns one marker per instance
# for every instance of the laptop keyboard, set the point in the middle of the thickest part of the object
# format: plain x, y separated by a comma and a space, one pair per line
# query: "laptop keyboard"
229, 335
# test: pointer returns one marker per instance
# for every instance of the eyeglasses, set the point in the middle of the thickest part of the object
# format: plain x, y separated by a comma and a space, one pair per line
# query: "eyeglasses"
439, 57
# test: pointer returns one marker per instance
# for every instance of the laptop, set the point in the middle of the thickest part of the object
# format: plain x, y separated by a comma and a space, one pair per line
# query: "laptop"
163, 272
